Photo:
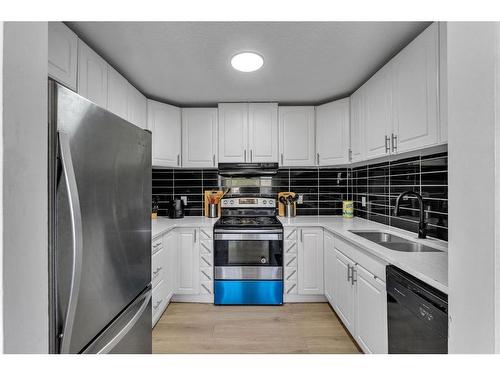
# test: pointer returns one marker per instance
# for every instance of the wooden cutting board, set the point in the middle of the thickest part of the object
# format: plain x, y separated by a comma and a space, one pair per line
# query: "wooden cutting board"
281, 206
218, 195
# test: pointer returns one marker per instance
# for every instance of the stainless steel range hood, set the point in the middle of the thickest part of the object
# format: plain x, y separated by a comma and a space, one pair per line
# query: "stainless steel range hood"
247, 169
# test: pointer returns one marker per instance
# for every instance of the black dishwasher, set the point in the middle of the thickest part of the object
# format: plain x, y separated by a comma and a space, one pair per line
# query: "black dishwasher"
417, 315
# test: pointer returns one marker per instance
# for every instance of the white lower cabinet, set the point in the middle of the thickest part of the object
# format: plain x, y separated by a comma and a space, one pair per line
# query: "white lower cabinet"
371, 312
188, 261
329, 266
159, 301
310, 261
358, 295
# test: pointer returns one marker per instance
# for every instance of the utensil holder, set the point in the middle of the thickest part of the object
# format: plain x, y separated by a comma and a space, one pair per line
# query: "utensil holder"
213, 209
289, 210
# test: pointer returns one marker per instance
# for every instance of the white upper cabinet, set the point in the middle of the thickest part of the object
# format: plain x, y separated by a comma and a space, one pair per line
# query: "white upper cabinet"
357, 137
92, 75
137, 107
378, 113
199, 137
310, 261
263, 132
233, 133
332, 133
164, 121
63, 54
297, 136
117, 93
415, 93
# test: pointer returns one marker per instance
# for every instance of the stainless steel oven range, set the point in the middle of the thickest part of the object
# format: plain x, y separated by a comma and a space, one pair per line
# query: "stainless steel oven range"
248, 252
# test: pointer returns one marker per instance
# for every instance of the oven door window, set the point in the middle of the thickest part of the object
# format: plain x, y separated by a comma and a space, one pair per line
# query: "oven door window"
248, 253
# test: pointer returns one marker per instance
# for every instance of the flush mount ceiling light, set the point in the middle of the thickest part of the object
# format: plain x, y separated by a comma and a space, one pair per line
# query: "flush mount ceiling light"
247, 62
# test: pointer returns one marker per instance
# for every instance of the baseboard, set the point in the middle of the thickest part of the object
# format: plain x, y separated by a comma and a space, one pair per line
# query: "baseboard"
296, 298
195, 298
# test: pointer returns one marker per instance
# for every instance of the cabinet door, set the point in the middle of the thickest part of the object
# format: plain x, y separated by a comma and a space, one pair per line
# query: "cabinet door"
63, 54
416, 92
378, 113
329, 266
170, 275
343, 290
332, 132
263, 132
164, 121
199, 137
310, 261
371, 312
233, 133
188, 262
297, 136
137, 107
357, 137
92, 75
117, 93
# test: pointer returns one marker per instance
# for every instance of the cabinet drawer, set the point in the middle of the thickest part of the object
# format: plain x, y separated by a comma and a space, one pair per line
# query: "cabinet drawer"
159, 300
156, 244
358, 255
290, 260
290, 247
206, 274
290, 234
290, 274
207, 287
206, 247
158, 266
206, 233
291, 287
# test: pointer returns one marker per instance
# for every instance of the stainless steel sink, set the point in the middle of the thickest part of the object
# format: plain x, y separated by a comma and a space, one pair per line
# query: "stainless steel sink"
394, 242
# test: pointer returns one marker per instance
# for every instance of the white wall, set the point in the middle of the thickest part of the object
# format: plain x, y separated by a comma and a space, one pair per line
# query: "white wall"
473, 187
25, 223
1, 184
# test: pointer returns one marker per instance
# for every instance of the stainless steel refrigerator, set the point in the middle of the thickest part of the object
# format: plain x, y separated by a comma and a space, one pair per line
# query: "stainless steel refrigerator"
100, 228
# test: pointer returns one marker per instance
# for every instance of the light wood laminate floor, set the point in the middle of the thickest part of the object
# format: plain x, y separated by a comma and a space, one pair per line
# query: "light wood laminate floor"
291, 328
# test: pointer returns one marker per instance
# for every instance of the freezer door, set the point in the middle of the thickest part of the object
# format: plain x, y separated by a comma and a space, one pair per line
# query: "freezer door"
130, 333
103, 221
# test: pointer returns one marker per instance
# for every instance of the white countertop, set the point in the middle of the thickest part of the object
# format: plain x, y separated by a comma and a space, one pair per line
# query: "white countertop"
164, 224
431, 267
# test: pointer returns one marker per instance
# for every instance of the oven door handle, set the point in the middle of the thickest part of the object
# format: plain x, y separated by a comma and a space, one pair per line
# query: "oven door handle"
255, 236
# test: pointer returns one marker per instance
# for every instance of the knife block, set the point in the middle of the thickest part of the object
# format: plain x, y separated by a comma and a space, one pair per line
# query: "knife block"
281, 206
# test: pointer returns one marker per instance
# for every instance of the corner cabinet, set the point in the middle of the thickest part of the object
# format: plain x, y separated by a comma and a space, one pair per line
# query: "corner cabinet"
92, 75
248, 132
62, 54
332, 133
310, 261
199, 137
164, 122
297, 144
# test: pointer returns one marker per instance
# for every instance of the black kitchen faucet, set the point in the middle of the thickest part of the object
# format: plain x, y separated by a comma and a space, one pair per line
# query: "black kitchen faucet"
422, 225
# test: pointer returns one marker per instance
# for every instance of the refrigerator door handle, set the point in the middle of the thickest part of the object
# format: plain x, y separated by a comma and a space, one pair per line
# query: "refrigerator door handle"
123, 332
77, 235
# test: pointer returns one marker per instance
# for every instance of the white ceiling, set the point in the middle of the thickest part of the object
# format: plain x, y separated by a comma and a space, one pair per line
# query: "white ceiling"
188, 63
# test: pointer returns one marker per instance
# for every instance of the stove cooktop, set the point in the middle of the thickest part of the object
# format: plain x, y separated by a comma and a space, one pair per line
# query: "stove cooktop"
246, 221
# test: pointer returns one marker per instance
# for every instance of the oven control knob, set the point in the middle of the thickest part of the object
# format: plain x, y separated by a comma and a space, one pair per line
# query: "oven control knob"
231, 202
263, 260
264, 202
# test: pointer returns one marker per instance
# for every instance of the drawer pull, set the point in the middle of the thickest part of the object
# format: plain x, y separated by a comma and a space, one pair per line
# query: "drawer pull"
157, 270
291, 274
207, 275
291, 261
207, 289
290, 289
157, 304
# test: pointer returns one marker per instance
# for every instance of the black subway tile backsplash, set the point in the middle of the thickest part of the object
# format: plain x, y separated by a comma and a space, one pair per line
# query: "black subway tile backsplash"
324, 189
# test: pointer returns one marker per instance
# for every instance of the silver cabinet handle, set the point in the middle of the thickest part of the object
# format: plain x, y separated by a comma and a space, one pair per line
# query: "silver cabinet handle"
349, 155
194, 236
301, 235
251, 155
349, 273
394, 141
353, 272
157, 304
387, 144
245, 155
157, 270
317, 158
77, 246
281, 158
178, 160
213, 160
